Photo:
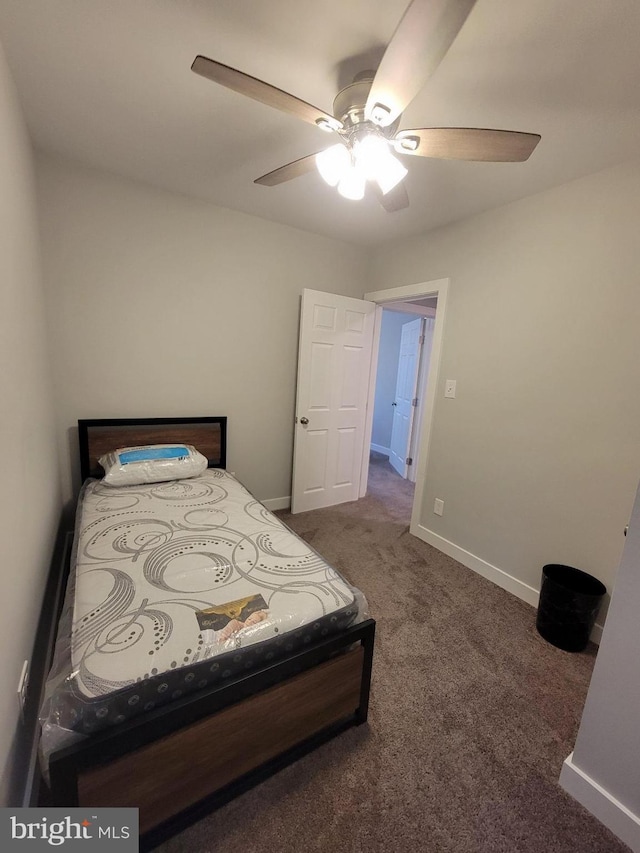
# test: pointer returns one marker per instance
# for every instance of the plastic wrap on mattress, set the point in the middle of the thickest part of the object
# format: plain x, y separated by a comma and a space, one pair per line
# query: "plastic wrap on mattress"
176, 587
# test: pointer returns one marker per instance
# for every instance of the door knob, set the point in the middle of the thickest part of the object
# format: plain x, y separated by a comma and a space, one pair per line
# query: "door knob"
304, 421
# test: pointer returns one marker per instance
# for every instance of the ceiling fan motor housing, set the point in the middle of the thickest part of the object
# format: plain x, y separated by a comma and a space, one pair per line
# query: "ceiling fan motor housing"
350, 102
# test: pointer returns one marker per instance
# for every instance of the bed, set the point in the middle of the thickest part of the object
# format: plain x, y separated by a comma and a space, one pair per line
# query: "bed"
201, 645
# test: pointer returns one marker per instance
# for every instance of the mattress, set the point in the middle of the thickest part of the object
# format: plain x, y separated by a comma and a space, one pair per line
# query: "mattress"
179, 586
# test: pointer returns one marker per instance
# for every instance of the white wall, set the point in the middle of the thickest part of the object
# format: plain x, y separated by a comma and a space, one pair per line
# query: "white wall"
30, 495
387, 375
164, 305
538, 457
603, 772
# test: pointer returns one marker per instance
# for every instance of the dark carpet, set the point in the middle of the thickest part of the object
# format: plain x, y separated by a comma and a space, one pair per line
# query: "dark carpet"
472, 714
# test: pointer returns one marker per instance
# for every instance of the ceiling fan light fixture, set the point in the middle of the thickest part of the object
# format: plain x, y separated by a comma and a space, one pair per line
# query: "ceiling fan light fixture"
378, 163
352, 184
390, 174
333, 163
370, 153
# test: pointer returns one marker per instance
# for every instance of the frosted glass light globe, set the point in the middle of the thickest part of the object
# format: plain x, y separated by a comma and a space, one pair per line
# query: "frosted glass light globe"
333, 163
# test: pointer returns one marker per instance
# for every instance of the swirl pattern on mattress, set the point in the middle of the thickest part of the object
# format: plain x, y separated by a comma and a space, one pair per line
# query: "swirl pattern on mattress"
183, 584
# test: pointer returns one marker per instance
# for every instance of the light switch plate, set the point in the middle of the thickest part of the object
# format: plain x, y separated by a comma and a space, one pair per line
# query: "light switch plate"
450, 388
438, 506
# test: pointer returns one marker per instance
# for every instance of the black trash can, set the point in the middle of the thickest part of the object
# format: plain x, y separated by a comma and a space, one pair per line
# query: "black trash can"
568, 606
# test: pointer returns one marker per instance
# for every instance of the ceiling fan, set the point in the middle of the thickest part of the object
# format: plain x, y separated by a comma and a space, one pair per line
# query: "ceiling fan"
366, 113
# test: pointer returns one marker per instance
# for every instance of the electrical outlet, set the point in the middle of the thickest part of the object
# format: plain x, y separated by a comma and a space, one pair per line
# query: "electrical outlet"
438, 506
22, 687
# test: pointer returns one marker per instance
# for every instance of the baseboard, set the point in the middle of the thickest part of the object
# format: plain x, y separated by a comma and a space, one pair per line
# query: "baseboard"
386, 451
602, 805
596, 633
477, 564
487, 570
277, 503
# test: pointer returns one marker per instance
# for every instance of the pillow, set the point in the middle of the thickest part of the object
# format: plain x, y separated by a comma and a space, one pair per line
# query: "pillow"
153, 463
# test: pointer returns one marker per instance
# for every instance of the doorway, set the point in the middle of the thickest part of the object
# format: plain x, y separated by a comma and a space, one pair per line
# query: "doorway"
426, 299
404, 349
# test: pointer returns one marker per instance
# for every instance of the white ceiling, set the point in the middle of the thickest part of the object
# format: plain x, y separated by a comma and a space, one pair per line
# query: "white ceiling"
108, 83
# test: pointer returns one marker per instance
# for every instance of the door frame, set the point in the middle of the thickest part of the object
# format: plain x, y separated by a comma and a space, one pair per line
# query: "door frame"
438, 288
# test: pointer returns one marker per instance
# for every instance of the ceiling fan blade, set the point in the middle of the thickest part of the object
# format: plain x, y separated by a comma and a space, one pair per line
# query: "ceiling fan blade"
395, 199
286, 173
423, 36
263, 92
467, 143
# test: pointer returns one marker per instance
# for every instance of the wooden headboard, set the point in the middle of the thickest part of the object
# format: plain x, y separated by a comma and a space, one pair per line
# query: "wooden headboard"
97, 437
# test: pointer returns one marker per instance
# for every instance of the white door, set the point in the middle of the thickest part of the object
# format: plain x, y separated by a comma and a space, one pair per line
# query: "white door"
405, 399
334, 361
421, 393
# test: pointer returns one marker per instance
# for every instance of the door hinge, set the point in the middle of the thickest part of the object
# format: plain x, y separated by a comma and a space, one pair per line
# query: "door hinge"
409, 460
421, 339
414, 402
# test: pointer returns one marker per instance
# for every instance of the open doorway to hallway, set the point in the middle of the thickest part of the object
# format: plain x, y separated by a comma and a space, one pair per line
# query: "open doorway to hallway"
406, 336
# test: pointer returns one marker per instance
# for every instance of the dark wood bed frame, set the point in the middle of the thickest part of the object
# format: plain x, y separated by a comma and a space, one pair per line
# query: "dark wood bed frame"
179, 762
